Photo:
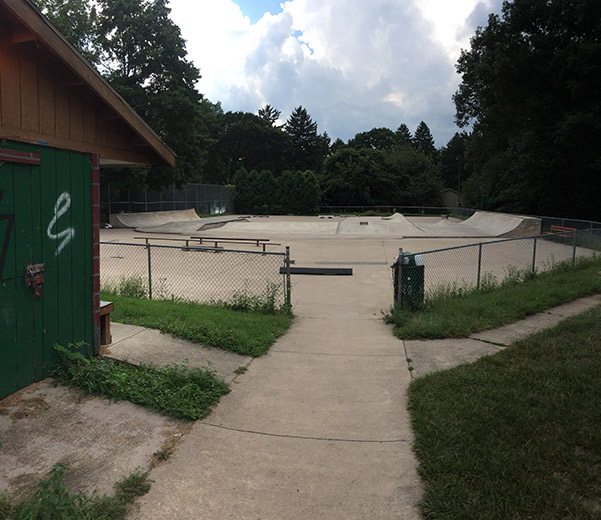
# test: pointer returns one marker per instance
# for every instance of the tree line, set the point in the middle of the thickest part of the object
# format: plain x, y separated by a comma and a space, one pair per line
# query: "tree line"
528, 104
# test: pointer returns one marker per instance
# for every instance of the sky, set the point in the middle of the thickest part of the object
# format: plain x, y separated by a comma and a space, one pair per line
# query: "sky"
353, 64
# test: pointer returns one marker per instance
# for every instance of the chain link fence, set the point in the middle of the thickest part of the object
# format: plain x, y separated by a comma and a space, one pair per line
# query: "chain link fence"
205, 199
201, 274
419, 276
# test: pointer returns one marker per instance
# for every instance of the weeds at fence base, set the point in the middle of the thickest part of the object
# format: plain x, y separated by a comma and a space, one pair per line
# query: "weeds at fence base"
134, 286
457, 310
265, 303
178, 391
53, 501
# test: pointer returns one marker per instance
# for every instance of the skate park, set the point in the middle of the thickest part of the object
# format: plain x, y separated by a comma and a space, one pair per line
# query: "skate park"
325, 411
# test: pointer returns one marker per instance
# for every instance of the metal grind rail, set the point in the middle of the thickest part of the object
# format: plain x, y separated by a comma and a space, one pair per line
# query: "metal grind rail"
196, 273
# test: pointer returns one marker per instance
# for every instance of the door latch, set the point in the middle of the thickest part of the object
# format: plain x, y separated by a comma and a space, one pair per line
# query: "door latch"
34, 278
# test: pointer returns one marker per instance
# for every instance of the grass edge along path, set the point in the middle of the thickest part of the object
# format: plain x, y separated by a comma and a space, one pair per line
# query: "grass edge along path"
462, 314
246, 333
175, 390
53, 501
515, 434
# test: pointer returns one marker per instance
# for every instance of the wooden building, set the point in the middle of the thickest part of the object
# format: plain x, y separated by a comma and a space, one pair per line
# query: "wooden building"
59, 123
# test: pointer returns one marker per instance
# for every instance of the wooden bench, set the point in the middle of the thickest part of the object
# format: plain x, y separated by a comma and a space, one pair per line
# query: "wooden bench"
105, 322
561, 229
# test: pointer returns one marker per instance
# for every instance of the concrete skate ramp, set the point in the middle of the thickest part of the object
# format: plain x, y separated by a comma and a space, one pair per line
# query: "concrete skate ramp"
504, 225
151, 218
180, 222
397, 224
292, 226
189, 227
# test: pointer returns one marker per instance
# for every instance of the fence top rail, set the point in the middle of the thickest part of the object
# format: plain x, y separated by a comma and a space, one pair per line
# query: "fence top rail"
243, 239
513, 239
198, 248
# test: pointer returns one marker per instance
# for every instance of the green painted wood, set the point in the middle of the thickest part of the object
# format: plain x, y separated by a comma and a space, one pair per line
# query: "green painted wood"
77, 246
8, 317
50, 301
23, 234
64, 247
53, 218
37, 258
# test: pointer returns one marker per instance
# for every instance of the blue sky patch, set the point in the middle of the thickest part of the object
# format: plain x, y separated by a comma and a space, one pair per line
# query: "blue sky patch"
255, 9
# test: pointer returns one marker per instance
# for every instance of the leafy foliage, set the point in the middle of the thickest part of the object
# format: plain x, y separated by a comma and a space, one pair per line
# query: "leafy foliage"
77, 21
366, 177
529, 86
262, 193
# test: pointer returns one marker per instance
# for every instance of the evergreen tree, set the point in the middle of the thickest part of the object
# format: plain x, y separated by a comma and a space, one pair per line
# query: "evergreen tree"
423, 140
403, 135
269, 114
309, 148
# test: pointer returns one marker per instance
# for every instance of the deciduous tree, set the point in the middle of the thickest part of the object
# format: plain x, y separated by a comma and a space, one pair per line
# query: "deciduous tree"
530, 88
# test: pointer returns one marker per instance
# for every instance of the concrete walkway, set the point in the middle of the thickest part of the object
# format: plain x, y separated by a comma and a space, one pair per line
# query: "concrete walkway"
430, 355
318, 428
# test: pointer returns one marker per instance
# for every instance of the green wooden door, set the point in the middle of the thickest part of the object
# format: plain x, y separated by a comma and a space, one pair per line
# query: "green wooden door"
45, 218
19, 248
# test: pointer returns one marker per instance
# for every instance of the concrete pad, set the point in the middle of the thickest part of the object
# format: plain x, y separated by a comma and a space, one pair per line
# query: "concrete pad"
439, 354
306, 335
342, 397
139, 345
275, 478
103, 441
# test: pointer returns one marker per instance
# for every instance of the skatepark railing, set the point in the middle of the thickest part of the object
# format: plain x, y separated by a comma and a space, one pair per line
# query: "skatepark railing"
484, 265
196, 273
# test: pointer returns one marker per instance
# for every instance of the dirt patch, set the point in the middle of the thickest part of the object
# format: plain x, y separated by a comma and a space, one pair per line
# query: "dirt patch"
101, 440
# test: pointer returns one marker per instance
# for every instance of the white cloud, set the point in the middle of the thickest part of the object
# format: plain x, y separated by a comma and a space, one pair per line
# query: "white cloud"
354, 65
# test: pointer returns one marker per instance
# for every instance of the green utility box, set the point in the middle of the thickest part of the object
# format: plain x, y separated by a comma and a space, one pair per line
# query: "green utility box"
409, 272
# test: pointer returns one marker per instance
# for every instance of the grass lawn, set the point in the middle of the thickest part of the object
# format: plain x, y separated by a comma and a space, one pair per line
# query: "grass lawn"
461, 315
247, 333
517, 434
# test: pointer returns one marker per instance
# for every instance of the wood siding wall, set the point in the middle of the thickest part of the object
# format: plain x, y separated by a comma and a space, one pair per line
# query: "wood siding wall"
41, 100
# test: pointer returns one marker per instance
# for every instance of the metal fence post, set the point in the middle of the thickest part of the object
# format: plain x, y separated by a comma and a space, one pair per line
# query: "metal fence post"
479, 264
534, 257
574, 248
397, 276
149, 273
288, 288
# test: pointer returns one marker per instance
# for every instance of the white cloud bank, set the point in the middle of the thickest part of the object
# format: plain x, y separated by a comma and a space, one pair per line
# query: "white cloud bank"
354, 65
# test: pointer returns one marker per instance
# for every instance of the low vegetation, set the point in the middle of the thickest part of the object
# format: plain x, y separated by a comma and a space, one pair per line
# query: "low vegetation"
516, 434
247, 333
53, 501
175, 390
456, 311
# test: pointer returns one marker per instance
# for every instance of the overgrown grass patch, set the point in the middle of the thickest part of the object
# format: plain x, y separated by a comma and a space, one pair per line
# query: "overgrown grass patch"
516, 434
176, 390
53, 501
458, 313
247, 333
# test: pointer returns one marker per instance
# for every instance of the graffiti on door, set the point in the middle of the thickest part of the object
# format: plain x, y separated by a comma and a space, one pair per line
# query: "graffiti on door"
63, 203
